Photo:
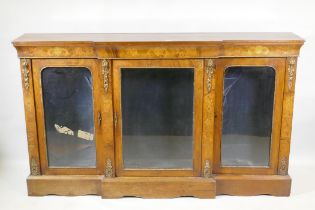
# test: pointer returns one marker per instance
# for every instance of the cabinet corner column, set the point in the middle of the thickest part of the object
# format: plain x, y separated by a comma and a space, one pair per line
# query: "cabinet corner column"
287, 115
106, 125
208, 117
30, 115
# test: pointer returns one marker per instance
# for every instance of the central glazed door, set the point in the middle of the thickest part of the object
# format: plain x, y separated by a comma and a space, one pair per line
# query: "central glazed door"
158, 117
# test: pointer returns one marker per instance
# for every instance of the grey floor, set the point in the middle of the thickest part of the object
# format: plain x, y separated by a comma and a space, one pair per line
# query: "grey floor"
162, 151
157, 151
70, 151
244, 150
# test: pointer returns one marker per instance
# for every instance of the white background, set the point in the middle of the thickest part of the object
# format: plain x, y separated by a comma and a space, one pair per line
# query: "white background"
78, 16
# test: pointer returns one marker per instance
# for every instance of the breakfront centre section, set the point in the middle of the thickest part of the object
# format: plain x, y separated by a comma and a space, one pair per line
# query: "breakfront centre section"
158, 115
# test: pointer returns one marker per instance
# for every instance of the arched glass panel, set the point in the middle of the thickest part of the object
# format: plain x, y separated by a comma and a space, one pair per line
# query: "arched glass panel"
248, 101
68, 111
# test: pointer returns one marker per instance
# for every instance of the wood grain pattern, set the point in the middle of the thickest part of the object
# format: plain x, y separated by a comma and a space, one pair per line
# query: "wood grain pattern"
247, 185
69, 185
259, 50
30, 119
94, 67
54, 39
158, 187
157, 51
157, 46
107, 125
208, 118
287, 115
207, 178
151, 51
56, 52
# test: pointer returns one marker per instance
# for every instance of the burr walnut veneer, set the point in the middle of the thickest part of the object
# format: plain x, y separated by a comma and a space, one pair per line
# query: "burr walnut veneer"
158, 115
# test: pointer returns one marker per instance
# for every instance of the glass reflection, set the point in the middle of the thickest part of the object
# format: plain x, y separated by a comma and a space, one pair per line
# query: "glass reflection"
247, 116
68, 111
157, 121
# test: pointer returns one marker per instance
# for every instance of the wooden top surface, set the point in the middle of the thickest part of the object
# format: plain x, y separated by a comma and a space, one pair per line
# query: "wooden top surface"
42, 39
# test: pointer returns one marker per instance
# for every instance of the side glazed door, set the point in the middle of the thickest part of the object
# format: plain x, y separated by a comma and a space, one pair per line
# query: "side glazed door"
248, 108
71, 122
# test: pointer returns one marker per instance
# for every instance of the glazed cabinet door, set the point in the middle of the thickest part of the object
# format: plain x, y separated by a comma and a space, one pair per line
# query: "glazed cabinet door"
72, 125
248, 108
158, 117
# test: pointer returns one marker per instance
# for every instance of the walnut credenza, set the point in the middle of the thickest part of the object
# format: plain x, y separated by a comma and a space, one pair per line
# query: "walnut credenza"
159, 115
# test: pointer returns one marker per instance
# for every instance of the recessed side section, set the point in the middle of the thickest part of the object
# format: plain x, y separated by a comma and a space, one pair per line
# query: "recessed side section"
157, 117
68, 111
70, 185
248, 101
250, 185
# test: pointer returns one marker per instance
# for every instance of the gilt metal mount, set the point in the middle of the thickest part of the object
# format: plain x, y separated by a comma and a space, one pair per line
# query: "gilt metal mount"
207, 171
283, 167
210, 71
34, 168
105, 72
25, 72
109, 168
291, 69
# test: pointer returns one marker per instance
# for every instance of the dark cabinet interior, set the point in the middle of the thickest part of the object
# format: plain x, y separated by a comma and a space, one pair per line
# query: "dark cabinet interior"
68, 110
247, 116
157, 117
